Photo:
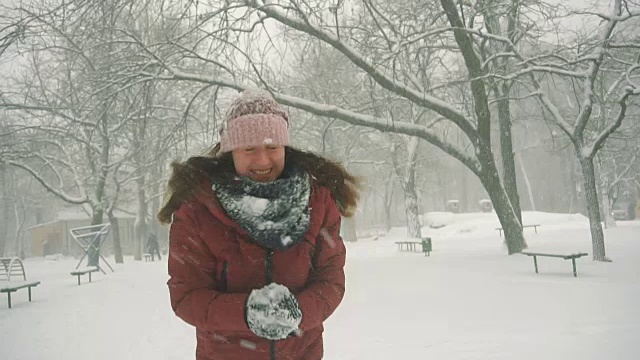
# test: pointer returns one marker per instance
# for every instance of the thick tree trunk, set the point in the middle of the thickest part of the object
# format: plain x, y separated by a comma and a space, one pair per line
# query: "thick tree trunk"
411, 204
117, 242
93, 256
506, 150
512, 228
593, 208
411, 211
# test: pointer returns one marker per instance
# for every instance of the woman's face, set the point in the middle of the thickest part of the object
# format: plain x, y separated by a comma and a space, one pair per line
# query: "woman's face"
262, 163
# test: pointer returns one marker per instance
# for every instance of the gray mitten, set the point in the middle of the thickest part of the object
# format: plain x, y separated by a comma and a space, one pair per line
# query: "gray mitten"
273, 312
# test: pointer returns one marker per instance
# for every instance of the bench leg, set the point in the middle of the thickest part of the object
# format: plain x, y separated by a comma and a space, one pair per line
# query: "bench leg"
535, 263
575, 273
78, 280
535, 228
29, 293
9, 299
89, 277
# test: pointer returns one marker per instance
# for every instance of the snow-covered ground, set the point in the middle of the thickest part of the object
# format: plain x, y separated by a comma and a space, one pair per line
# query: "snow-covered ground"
468, 300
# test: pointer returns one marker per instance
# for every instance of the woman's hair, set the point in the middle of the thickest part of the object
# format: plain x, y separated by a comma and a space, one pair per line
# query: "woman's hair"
188, 176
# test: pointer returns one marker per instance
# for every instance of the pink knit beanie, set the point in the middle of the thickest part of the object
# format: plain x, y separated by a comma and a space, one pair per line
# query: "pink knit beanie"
254, 118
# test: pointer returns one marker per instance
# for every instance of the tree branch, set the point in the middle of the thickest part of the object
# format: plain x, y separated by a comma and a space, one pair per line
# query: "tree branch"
344, 115
59, 193
399, 88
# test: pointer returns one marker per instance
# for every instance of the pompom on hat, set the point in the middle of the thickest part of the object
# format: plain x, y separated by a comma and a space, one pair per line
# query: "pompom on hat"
254, 118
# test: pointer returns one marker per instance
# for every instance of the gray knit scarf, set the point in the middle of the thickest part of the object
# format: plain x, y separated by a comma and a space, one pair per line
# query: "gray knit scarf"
275, 214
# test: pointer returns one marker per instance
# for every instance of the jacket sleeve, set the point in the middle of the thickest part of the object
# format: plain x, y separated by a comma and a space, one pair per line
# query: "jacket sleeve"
325, 288
192, 279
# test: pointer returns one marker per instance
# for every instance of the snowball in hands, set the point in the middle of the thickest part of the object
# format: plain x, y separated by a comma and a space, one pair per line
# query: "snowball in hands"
273, 312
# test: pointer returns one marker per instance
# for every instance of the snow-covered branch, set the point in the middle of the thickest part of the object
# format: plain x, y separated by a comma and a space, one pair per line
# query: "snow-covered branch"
57, 192
382, 125
610, 18
552, 109
591, 150
594, 68
48, 109
348, 116
386, 81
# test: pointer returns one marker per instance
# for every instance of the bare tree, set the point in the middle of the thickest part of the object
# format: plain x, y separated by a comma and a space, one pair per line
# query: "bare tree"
587, 66
316, 23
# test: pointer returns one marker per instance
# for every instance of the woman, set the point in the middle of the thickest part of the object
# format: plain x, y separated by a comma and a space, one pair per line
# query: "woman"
256, 262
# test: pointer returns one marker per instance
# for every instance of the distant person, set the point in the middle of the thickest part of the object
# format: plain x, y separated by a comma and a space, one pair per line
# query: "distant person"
153, 247
46, 248
256, 261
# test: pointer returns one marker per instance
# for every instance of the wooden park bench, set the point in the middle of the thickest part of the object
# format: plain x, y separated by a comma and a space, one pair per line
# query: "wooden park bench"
571, 257
11, 270
407, 245
81, 272
534, 226
148, 257
425, 246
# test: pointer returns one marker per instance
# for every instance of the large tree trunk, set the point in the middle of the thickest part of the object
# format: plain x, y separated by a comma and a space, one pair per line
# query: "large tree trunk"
411, 207
512, 228
93, 253
506, 150
117, 243
593, 208
24, 247
411, 204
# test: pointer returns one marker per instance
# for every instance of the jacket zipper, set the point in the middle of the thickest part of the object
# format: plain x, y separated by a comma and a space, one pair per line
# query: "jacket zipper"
269, 279
225, 269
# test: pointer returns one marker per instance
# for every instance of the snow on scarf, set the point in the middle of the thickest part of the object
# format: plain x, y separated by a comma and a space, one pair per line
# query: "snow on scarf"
275, 214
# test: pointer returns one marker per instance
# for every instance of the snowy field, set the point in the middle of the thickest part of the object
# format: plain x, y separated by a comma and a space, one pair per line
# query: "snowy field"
468, 300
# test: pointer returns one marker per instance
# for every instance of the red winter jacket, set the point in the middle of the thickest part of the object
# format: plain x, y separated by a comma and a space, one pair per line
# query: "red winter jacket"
213, 266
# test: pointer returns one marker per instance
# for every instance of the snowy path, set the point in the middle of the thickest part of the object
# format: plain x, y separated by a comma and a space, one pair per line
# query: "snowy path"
467, 301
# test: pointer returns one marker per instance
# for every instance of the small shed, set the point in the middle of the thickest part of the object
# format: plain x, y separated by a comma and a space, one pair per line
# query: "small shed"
54, 237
